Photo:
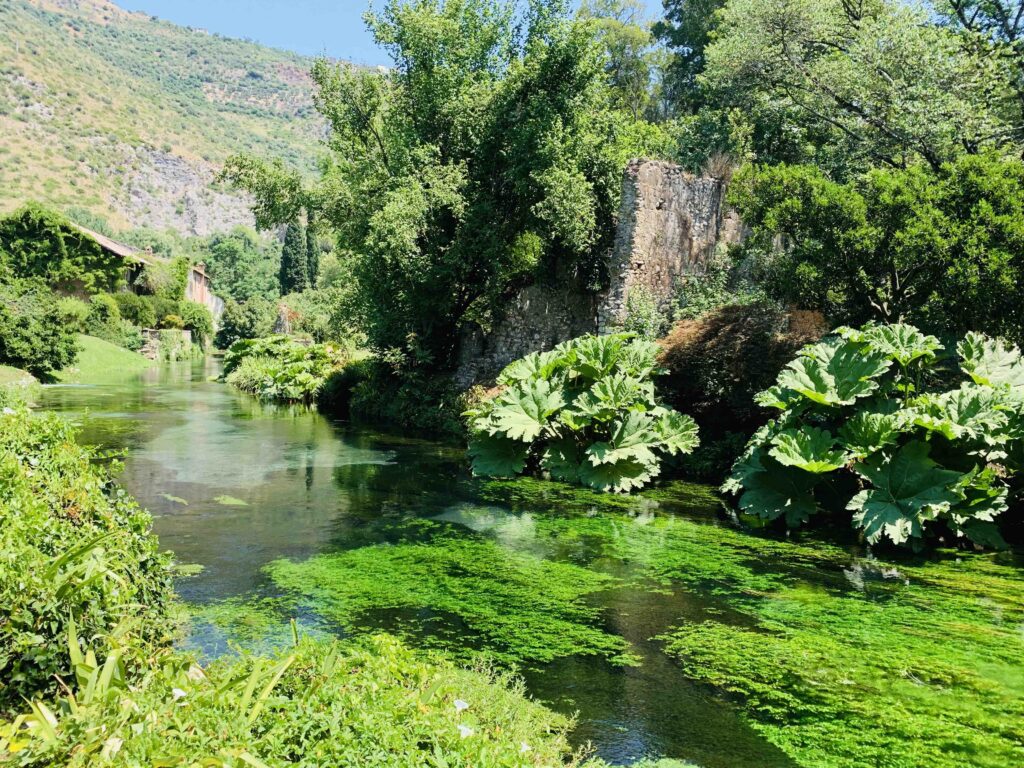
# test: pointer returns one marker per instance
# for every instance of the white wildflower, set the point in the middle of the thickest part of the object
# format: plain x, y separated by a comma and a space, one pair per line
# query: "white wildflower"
465, 731
177, 693
461, 705
524, 748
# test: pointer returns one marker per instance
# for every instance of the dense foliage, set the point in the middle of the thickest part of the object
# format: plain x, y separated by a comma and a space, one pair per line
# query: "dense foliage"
34, 333
37, 242
72, 548
584, 412
944, 249
869, 418
250, 319
280, 368
241, 264
489, 155
320, 703
293, 276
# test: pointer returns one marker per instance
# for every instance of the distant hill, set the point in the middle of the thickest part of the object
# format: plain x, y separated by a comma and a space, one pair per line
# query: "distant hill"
129, 116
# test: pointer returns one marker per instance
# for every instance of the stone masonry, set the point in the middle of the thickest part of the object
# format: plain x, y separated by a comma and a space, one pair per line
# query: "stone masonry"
669, 224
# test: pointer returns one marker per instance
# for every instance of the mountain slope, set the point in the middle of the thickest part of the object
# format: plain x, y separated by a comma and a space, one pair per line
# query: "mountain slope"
129, 117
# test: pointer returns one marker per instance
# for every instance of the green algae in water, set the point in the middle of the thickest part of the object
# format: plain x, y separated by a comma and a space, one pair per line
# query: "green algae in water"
838, 660
231, 501
510, 606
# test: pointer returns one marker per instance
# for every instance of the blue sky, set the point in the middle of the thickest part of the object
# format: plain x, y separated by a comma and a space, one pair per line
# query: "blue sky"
312, 27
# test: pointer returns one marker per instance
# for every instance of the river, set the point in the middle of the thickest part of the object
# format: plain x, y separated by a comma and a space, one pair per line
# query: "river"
352, 531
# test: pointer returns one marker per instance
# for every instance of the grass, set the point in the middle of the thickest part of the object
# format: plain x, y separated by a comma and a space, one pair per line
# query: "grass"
100, 362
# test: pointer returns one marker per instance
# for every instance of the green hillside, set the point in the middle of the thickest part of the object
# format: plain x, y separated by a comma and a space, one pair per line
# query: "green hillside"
129, 116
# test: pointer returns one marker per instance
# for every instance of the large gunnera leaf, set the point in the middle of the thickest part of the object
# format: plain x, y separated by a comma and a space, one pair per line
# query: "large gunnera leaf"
867, 432
537, 365
594, 357
619, 477
973, 412
771, 491
562, 460
901, 342
677, 433
497, 456
810, 449
608, 398
991, 362
633, 438
834, 372
638, 359
908, 490
523, 411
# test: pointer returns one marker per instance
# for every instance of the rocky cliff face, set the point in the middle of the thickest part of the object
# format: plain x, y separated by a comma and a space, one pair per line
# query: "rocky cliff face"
669, 224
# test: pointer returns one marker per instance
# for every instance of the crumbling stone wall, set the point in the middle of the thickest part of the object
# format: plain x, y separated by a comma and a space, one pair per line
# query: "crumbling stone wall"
670, 223
536, 319
668, 227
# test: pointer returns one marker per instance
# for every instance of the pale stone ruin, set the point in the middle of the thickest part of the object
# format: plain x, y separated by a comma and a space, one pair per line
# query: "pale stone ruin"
669, 224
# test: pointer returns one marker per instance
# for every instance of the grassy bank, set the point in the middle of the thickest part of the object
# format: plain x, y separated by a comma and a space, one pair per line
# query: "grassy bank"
100, 362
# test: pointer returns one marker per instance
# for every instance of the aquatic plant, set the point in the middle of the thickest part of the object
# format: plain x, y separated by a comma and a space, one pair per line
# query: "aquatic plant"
584, 412
468, 596
866, 417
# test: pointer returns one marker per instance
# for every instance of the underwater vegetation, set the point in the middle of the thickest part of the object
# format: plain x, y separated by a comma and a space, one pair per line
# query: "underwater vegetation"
837, 658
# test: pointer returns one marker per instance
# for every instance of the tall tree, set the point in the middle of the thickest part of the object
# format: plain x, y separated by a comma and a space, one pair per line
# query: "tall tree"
632, 62
312, 256
686, 30
294, 274
882, 81
488, 156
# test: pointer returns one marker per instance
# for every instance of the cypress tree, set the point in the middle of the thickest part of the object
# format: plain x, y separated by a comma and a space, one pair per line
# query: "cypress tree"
294, 274
312, 256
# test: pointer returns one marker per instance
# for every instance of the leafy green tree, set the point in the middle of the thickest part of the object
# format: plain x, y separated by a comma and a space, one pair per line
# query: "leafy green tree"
999, 26
686, 30
865, 420
241, 264
867, 83
294, 273
942, 249
490, 155
632, 62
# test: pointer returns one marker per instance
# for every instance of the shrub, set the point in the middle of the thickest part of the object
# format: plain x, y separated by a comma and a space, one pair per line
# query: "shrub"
584, 412
173, 322
105, 322
196, 317
278, 368
643, 316
71, 546
163, 307
33, 334
252, 319
318, 704
136, 309
74, 313
717, 362
868, 419
943, 249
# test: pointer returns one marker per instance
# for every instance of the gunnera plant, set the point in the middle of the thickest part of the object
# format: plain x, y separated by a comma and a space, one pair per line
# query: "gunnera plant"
912, 442
584, 412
